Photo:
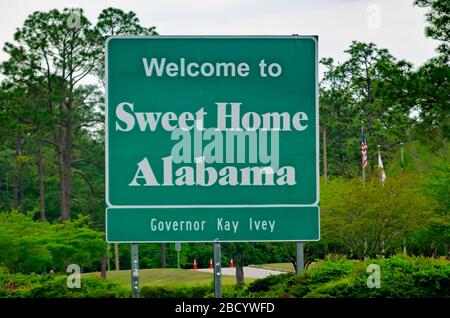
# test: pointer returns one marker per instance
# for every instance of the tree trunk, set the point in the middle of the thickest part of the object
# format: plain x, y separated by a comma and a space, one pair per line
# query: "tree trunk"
116, 256
294, 263
433, 250
240, 274
7, 192
163, 255
103, 266
66, 165
67, 175
21, 189
41, 172
62, 187
66, 181
404, 247
240, 269
16, 175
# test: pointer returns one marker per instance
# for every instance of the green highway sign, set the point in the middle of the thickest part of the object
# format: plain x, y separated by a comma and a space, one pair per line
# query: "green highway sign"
207, 128
212, 224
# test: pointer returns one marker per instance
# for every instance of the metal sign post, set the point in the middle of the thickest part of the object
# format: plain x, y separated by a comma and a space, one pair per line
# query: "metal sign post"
217, 271
134, 271
300, 257
263, 87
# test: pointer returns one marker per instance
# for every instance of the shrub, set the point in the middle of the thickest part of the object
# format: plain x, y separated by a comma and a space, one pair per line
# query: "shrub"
55, 286
28, 246
265, 284
401, 276
179, 292
155, 292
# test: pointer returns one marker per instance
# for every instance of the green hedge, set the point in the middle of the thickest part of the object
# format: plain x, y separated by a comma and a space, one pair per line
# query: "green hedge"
192, 292
28, 246
401, 276
179, 292
55, 286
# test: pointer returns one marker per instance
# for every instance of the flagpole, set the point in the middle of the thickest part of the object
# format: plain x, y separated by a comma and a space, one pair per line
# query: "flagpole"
380, 166
363, 174
362, 161
379, 156
325, 159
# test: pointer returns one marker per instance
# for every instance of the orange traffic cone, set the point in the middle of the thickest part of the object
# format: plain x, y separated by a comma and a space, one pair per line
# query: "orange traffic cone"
195, 265
210, 263
231, 264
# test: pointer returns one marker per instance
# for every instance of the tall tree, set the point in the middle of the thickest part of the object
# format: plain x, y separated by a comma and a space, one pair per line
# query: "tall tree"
63, 53
387, 213
438, 17
113, 22
370, 87
429, 100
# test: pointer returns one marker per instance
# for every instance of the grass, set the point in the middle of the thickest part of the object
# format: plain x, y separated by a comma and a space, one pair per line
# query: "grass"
168, 277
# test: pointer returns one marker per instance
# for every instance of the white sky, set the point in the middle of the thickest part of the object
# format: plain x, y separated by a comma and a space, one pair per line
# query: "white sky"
337, 22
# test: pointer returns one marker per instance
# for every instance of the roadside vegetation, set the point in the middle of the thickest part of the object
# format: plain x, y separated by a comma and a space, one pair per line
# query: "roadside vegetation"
52, 175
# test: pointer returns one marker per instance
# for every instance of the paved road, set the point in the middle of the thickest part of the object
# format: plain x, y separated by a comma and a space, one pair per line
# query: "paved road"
251, 272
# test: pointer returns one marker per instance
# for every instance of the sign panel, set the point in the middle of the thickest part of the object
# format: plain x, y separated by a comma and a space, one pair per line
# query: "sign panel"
212, 224
211, 126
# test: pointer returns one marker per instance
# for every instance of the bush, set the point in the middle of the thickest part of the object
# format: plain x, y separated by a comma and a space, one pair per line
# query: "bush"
179, 292
265, 284
401, 276
55, 286
28, 246
155, 292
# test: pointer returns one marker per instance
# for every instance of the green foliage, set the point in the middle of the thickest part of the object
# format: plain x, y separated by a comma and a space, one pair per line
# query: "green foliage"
29, 246
439, 27
368, 87
44, 105
432, 240
361, 218
400, 277
41, 90
428, 91
191, 292
113, 22
55, 286
265, 284
438, 186
179, 292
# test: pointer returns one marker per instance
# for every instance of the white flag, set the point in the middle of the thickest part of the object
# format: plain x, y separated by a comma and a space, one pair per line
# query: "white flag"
380, 165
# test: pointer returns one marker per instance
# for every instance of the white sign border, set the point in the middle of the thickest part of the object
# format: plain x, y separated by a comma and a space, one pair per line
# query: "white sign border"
212, 241
314, 38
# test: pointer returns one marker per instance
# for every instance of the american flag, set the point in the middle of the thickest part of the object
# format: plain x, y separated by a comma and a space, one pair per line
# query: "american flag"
364, 150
